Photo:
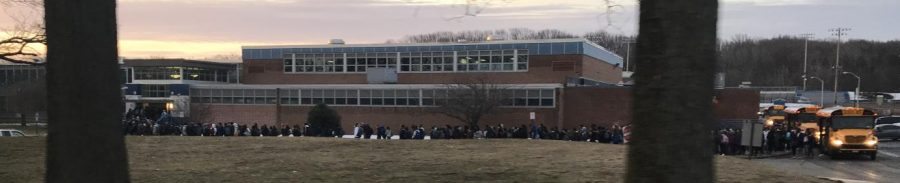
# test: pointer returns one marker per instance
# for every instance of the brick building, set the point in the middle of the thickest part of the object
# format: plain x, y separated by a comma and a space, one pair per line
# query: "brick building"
565, 82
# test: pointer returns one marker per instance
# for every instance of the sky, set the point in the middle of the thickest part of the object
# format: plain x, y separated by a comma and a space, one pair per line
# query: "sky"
204, 28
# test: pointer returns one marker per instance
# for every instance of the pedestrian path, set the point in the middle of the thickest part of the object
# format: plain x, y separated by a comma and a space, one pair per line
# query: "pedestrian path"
845, 180
889, 154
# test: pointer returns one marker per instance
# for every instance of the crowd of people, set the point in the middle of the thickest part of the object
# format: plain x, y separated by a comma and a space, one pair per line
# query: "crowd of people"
594, 133
800, 143
140, 125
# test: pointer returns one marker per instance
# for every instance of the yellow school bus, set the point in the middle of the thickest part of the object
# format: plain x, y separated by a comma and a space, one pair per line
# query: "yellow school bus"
773, 115
803, 118
847, 130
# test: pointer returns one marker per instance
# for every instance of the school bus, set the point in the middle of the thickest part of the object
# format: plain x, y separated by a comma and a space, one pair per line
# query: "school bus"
773, 115
847, 130
803, 118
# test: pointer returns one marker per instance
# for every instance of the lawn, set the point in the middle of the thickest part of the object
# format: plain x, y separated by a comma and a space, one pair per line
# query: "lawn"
292, 159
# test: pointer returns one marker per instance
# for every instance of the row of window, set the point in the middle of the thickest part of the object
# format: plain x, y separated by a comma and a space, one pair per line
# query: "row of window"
562, 48
155, 91
9, 76
362, 97
464, 61
175, 73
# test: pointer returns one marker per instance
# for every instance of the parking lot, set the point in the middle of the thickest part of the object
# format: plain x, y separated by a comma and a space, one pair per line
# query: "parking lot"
847, 168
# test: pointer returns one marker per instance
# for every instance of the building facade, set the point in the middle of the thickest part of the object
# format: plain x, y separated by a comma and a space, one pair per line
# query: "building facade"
565, 83
401, 84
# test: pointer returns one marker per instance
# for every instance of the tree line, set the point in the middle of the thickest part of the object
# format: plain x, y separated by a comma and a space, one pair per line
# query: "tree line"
776, 61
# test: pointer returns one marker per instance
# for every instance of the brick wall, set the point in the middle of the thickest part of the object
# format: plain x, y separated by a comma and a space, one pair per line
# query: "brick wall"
580, 106
244, 114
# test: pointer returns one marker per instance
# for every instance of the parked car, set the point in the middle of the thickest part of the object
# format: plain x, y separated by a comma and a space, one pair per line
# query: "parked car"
11, 133
895, 120
888, 131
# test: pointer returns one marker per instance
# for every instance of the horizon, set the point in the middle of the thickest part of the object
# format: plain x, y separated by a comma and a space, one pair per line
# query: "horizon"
205, 28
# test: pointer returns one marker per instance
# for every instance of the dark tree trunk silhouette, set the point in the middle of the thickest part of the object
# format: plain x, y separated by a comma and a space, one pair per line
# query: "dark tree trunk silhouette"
85, 141
673, 92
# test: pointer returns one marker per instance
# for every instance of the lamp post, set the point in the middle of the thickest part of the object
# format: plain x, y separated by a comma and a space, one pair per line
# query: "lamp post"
858, 81
821, 91
628, 43
805, 53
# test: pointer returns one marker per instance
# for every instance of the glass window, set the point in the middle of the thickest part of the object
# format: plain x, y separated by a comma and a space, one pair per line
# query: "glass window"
155, 91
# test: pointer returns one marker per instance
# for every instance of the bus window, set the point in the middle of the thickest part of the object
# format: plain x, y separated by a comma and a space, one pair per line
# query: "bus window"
851, 123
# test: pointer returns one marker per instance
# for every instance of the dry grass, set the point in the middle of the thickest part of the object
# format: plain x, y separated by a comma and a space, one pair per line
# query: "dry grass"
213, 159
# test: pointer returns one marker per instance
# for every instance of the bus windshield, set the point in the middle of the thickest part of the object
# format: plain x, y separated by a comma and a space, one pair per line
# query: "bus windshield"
775, 113
806, 117
852, 122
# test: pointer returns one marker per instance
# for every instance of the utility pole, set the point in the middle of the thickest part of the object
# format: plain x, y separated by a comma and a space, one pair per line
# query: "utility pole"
805, 54
839, 32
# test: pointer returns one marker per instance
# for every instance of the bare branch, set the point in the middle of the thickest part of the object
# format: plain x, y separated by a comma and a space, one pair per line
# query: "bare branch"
16, 43
470, 99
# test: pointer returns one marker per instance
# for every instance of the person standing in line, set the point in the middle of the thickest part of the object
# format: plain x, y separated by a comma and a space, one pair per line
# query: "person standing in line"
809, 142
380, 134
387, 133
723, 144
356, 131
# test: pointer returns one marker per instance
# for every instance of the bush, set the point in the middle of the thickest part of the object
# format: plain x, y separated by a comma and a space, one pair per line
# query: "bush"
323, 120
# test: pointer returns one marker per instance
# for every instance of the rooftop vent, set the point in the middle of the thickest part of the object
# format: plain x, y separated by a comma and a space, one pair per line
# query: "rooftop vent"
336, 41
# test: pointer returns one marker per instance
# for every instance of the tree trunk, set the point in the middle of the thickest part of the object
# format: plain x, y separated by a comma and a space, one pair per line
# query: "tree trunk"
673, 92
85, 141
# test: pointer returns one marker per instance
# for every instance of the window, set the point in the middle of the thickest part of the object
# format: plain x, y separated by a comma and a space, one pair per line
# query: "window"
361, 97
532, 98
288, 63
2, 103
157, 73
5, 134
426, 62
155, 90
494, 60
319, 62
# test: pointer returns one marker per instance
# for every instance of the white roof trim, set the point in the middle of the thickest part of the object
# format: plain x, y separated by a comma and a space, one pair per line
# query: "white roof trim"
361, 86
422, 44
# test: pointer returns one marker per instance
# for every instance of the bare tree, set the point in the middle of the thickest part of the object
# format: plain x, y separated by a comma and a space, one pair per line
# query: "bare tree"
469, 100
673, 92
485, 35
18, 44
85, 141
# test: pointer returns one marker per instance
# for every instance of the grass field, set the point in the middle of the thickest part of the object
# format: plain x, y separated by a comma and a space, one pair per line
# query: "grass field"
283, 159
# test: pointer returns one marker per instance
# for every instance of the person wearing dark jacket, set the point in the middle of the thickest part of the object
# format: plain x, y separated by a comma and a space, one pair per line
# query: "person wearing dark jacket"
809, 141
297, 131
273, 131
285, 131
367, 131
264, 130
381, 134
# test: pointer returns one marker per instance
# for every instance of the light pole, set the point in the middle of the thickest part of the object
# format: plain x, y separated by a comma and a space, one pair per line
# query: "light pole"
805, 53
837, 59
821, 91
628, 43
858, 81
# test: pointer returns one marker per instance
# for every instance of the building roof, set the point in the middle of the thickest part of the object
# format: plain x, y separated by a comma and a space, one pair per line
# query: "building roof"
535, 47
176, 63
